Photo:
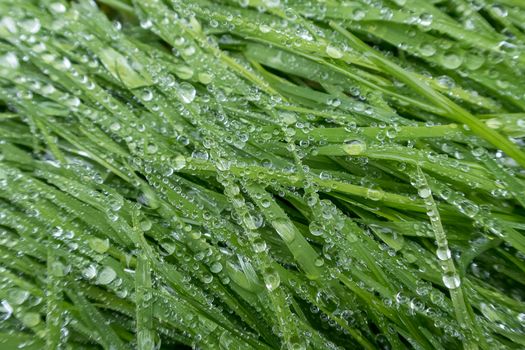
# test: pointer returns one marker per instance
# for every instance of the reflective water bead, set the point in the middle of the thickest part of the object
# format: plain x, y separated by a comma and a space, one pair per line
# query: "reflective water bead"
354, 147
451, 280
147, 95
272, 3
179, 162
333, 52
9, 60
285, 229
30, 319
443, 253
272, 280
186, 92
106, 276
90, 272
451, 60
31, 26
424, 192
216, 267
427, 49
99, 245
425, 19
57, 7
375, 194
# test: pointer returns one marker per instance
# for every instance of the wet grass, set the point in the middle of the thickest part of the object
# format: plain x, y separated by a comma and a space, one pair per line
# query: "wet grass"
262, 174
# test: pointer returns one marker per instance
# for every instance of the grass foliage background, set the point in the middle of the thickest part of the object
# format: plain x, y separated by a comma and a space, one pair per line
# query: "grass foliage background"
262, 174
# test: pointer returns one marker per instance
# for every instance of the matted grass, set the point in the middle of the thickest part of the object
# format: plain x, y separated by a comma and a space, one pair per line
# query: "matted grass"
266, 174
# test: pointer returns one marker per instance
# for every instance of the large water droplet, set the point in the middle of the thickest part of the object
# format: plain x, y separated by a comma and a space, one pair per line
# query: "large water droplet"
179, 162
424, 192
333, 52
425, 19
9, 24
187, 92
9, 60
272, 3
467, 207
31, 26
354, 147
499, 10
443, 253
106, 276
427, 49
31, 319
451, 60
285, 229
451, 280
90, 272
147, 95
264, 28
375, 194
57, 7
272, 280
216, 267
99, 245
6, 310
17, 296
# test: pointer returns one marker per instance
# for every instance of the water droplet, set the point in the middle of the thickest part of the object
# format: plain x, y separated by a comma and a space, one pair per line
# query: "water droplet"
358, 14
31, 26
31, 319
424, 192
145, 225
325, 175
183, 72
451, 60
285, 229
9, 60
106, 276
9, 24
427, 49
443, 253
333, 52
499, 10
179, 162
375, 194
467, 207
90, 272
288, 118
494, 123
99, 245
265, 203
6, 310
316, 229
264, 28
425, 19
354, 147
272, 280
272, 3
186, 92
147, 95
17, 296
146, 24
207, 279
216, 267
451, 280
114, 127
259, 246
57, 7
474, 60
205, 78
